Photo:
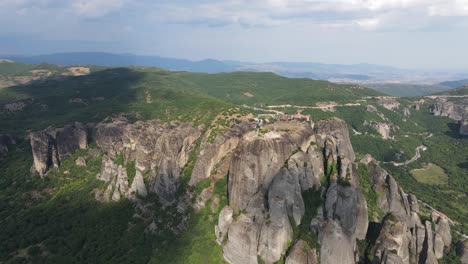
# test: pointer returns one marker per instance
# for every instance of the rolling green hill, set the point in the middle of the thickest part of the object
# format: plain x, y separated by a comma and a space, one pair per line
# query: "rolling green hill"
177, 95
457, 91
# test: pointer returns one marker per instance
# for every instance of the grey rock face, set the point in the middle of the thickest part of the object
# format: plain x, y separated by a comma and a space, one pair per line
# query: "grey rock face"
462, 251
117, 177
389, 102
71, 138
442, 107
138, 185
212, 154
161, 151
392, 238
391, 198
266, 179
224, 221
464, 125
50, 146
403, 236
42, 147
5, 142
442, 228
242, 240
255, 163
301, 253
258, 171
345, 205
335, 245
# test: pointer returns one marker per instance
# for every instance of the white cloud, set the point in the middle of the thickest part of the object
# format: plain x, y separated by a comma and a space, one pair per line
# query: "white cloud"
364, 14
368, 23
96, 8
449, 8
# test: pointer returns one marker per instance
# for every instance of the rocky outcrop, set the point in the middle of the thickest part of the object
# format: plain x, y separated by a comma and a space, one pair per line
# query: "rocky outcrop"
212, 153
383, 129
301, 253
159, 150
388, 102
455, 110
335, 245
266, 180
462, 251
443, 107
403, 237
51, 146
265, 194
464, 125
80, 161
116, 176
6, 141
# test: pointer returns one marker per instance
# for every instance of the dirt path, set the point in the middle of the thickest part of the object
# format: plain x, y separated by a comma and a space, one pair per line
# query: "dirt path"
416, 156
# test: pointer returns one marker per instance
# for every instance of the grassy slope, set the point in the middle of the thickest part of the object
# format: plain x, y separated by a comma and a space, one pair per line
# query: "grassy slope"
269, 88
430, 174
407, 90
457, 91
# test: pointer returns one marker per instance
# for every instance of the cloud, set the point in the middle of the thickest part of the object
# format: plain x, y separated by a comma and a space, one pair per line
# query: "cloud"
96, 8
363, 14
449, 8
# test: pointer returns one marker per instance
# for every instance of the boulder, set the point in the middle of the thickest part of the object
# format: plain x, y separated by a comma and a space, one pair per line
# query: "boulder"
80, 161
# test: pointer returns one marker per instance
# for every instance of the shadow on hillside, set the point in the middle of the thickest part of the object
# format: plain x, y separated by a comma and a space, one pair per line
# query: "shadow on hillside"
454, 130
463, 165
88, 98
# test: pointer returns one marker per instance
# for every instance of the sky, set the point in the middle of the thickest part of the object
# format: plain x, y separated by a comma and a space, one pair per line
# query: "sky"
424, 34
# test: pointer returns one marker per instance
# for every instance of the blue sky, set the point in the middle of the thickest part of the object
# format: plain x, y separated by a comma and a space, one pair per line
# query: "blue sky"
405, 33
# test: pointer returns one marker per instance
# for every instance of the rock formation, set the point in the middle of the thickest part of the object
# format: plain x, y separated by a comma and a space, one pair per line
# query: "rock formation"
267, 177
301, 253
453, 110
403, 236
464, 125
50, 146
159, 150
268, 174
462, 251
388, 102
5, 142
212, 153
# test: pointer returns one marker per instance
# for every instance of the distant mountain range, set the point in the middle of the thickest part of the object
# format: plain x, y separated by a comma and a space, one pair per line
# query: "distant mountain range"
392, 80
455, 84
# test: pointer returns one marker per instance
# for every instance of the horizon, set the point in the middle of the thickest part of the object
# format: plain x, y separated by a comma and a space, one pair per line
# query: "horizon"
409, 34
25, 55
